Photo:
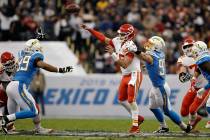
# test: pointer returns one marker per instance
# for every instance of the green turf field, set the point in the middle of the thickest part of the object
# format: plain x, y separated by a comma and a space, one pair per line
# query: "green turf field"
106, 125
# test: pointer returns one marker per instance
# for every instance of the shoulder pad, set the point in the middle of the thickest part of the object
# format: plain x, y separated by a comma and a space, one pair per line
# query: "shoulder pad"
37, 55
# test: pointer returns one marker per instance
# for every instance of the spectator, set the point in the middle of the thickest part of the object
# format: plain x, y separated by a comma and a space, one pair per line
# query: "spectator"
173, 20
6, 19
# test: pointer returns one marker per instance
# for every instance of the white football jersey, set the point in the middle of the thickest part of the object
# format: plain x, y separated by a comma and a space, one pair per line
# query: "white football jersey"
4, 76
189, 63
122, 50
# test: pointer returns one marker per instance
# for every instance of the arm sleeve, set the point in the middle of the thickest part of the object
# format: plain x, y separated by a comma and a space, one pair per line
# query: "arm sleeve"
111, 43
97, 34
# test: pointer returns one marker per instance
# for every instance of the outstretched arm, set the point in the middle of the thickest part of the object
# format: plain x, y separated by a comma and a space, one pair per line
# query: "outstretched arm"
146, 57
98, 35
141, 53
50, 68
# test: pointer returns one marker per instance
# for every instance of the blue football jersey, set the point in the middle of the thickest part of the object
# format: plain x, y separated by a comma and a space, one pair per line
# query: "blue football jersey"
205, 58
156, 70
27, 69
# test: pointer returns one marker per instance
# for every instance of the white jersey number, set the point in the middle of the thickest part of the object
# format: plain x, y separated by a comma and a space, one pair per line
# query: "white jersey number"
24, 62
161, 67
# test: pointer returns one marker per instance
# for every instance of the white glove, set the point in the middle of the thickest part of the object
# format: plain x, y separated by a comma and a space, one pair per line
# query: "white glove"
200, 93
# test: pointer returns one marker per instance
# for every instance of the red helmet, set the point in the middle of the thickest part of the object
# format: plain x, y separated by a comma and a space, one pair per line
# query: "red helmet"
8, 61
126, 32
187, 44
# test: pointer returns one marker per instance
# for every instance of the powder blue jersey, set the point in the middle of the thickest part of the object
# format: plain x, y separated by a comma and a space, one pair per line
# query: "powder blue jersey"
156, 70
27, 68
203, 59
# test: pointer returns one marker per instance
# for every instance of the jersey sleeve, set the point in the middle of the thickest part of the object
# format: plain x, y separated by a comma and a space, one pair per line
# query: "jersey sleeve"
36, 56
111, 43
114, 42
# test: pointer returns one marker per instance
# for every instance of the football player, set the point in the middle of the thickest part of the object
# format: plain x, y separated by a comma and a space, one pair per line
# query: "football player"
130, 67
202, 58
17, 90
8, 67
187, 72
154, 57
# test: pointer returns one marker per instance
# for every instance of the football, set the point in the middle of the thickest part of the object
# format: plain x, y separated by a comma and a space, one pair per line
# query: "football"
72, 7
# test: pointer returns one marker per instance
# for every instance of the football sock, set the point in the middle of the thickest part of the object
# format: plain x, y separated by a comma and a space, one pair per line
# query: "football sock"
1, 111
37, 121
134, 113
182, 125
24, 114
159, 116
126, 105
192, 117
174, 117
11, 117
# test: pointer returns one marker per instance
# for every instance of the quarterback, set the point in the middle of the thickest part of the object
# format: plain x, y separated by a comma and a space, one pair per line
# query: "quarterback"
130, 67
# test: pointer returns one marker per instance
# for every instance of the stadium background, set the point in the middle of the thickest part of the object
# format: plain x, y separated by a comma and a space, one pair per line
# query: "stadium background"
96, 76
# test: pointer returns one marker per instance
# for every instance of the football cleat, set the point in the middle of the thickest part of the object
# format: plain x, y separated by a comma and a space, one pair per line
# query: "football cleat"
140, 120
134, 130
11, 127
188, 129
207, 125
42, 130
162, 130
4, 123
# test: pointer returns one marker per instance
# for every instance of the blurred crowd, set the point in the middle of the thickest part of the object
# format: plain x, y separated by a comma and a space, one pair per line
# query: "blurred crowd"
174, 20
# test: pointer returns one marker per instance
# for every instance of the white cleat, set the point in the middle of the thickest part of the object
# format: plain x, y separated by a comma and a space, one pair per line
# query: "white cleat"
207, 125
42, 130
